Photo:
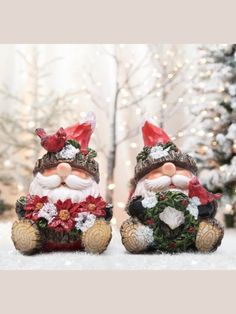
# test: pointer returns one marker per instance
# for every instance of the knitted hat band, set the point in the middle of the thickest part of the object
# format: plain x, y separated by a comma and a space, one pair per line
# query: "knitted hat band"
178, 158
80, 161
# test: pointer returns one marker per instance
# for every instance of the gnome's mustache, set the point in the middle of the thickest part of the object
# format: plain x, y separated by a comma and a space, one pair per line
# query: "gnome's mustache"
54, 181
165, 181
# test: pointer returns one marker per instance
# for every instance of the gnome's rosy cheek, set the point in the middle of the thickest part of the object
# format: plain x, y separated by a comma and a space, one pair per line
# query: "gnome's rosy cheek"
50, 172
154, 174
63, 170
81, 173
168, 169
184, 172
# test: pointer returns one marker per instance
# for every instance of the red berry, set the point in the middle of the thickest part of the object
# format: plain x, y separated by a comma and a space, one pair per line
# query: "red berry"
161, 197
184, 202
150, 221
172, 245
191, 230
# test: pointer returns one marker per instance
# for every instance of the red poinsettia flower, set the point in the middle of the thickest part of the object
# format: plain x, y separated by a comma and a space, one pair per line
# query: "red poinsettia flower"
94, 205
66, 212
33, 204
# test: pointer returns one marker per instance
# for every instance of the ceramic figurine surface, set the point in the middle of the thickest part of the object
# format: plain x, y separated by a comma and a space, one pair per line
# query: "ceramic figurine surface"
169, 209
64, 209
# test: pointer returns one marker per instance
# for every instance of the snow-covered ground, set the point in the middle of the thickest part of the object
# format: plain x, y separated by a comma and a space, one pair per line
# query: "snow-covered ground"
116, 257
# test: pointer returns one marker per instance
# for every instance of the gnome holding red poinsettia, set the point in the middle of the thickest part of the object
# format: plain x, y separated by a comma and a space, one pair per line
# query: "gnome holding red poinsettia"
170, 210
64, 209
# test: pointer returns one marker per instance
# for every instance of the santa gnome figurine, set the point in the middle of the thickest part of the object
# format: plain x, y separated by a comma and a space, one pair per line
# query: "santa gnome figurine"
170, 210
64, 209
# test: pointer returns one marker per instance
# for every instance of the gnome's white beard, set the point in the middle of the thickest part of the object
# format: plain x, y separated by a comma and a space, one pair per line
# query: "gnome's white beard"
75, 188
146, 187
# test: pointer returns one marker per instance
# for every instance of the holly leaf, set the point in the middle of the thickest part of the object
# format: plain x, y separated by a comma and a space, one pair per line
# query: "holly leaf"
144, 153
22, 200
91, 153
74, 232
170, 145
20, 206
73, 143
42, 223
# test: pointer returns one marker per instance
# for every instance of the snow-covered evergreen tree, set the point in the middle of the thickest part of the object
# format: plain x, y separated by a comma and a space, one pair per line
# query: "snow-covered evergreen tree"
215, 110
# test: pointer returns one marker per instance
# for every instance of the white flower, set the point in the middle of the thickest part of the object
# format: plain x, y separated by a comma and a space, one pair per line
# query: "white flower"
149, 201
145, 234
172, 217
193, 206
48, 211
68, 152
159, 151
84, 221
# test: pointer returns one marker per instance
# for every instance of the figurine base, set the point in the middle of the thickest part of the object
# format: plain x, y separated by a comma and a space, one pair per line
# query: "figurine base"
28, 239
209, 236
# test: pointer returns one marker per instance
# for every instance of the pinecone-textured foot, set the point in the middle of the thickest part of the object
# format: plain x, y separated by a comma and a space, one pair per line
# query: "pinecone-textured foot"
209, 235
133, 240
26, 236
96, 239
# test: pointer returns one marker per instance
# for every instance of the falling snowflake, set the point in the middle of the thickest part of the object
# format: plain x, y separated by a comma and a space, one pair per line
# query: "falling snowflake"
48, 212
68, 152
84, 221
193, 206
149, 201
158, 152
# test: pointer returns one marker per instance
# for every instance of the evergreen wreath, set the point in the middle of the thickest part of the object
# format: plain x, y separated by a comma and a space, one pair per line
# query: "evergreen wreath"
165, 239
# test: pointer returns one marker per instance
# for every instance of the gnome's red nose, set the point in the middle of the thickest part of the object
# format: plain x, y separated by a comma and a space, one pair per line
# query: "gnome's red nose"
63, 169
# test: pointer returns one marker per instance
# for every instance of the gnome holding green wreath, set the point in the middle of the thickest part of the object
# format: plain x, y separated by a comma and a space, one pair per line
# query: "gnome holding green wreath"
64, 209
170, 210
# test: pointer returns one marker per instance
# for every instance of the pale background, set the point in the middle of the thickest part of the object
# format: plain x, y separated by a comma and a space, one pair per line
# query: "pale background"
85, 76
